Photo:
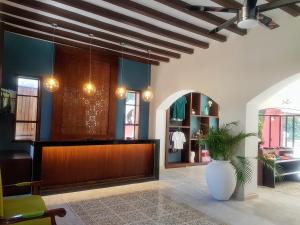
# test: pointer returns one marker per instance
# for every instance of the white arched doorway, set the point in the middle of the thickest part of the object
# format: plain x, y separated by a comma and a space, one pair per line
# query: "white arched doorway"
252, 111
160, 121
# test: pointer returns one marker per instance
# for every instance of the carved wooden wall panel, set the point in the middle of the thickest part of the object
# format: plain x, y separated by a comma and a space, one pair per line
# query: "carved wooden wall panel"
76, 115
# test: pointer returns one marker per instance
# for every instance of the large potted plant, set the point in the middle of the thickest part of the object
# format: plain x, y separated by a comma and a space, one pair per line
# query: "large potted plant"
226, 169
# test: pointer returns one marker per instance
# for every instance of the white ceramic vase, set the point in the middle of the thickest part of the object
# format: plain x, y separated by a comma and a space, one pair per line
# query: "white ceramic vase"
221, 179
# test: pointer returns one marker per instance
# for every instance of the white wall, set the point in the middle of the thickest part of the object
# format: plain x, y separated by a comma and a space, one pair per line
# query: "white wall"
232, 73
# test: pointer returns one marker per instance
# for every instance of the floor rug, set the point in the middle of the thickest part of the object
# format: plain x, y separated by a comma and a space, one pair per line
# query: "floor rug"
149, 207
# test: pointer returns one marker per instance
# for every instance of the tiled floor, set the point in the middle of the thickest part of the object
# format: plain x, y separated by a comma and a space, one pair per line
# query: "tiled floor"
138, 208
183, 189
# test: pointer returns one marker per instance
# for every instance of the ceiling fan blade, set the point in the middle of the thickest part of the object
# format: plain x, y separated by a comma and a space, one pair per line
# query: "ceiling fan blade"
276, 4
211, 9
224, 25
267, 21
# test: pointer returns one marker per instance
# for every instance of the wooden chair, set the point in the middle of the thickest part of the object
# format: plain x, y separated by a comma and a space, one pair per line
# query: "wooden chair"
26, 209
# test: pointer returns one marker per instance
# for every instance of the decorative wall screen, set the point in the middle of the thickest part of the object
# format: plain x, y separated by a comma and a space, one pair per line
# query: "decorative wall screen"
76, 115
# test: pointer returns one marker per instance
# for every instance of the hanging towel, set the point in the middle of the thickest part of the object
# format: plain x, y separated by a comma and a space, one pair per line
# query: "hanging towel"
179, 109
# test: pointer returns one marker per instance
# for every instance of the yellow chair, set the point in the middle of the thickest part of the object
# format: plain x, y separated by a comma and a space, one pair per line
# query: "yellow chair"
26, 209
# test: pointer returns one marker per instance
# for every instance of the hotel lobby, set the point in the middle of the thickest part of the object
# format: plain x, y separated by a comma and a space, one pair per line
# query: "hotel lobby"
149, 112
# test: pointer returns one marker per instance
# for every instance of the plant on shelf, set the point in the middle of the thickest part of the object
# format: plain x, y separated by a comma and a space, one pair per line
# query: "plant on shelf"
226, 169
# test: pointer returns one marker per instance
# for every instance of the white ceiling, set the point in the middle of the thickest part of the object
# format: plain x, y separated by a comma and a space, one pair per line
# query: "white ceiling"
288, 97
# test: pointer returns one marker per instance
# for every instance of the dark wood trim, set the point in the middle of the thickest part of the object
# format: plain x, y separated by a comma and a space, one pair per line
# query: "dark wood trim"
208, 17
101, 25
138, 8
139, 122
293, 10
52, 213
71, 26
95, 9
71, 43
77, 37
1, 52
235, 4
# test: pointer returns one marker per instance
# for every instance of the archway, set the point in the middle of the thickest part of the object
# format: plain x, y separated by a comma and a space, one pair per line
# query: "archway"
200, 120
251, 125
160, 121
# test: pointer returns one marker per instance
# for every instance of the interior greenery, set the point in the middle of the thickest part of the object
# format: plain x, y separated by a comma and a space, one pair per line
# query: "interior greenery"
223, 143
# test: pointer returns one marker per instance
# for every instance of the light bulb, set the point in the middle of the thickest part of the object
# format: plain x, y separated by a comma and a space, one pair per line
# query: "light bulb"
51, 84
89, 88
147, 94
121, 92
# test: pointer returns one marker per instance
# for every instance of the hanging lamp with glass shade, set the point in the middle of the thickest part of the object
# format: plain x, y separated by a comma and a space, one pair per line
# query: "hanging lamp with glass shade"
51, 83
121, 90
89, 88
147, 94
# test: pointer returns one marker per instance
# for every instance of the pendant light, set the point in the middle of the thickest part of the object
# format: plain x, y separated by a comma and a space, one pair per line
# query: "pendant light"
51, 83
121, 90
147, 94
89, 88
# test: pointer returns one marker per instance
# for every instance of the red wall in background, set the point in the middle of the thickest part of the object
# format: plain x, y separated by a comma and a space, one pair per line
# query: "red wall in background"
274, 132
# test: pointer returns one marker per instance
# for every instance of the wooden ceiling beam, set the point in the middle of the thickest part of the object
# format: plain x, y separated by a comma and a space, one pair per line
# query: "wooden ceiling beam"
67, 25
228, 3
293, 10
77, 37
139, 8
42, 6
97, 10
208, 17
73, 43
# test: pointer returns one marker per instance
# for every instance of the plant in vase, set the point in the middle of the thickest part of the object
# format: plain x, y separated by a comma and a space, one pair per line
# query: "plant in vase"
226, 169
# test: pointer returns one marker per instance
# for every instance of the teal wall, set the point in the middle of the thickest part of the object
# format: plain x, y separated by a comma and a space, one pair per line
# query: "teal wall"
29, 57
135, 77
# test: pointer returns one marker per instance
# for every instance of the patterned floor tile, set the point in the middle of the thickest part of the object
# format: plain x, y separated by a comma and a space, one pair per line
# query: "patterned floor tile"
203, 221
134, 216
154, 212
131, 197
112, 200
142, 204
167, 220
146, 222
122, 208
139, 208
110, 220
188, 216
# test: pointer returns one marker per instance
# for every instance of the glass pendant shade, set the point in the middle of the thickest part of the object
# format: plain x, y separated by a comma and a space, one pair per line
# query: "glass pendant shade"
147, 94
121, 92
51, 84
89, 88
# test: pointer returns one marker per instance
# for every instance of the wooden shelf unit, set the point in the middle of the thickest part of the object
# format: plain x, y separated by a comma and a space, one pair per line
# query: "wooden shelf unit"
203, 118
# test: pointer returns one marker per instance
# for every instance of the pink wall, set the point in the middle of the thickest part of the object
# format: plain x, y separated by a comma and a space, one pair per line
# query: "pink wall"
275, 129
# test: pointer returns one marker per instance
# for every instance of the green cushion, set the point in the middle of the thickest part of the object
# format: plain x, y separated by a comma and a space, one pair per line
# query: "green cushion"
26, 204
1, 196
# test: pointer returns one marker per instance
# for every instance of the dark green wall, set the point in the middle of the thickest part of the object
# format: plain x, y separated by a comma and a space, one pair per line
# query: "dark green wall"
29, 57
135, 77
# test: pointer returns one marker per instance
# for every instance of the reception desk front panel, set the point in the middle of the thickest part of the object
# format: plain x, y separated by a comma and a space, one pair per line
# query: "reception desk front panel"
65, 165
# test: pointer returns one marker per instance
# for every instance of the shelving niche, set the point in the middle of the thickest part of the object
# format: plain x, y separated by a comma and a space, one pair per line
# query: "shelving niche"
201, 114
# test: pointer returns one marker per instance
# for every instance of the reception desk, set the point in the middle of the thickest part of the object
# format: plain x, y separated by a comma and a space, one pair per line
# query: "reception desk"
72, 165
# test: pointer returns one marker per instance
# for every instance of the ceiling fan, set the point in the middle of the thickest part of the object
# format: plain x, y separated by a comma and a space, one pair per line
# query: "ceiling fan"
246, 17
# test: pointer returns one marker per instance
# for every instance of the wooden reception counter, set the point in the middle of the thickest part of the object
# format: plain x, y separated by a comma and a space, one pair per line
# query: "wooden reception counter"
72, 165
